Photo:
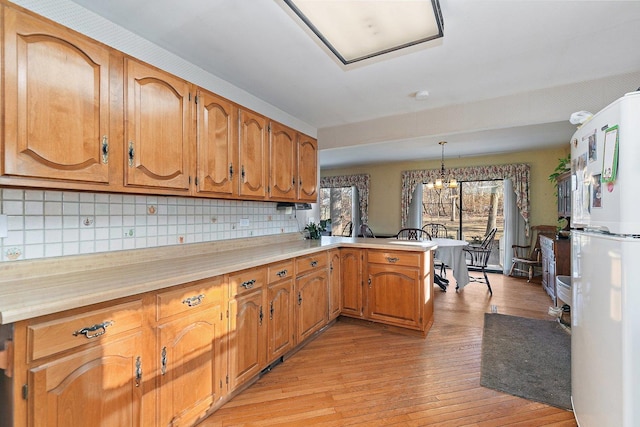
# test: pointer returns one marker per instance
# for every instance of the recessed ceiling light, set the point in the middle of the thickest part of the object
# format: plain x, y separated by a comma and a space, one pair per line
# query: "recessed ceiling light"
355, 30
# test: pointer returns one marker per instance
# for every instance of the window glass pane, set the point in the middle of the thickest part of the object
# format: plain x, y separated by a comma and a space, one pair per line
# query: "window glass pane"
335, 208
441, 207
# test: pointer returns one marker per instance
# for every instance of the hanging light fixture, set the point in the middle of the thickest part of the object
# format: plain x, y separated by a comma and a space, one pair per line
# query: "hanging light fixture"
443, 181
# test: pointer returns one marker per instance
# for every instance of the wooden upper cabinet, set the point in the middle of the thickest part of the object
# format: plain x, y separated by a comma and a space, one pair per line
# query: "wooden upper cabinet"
307, 169
253, 155
282, 161
56, 102
217, 159
158, 128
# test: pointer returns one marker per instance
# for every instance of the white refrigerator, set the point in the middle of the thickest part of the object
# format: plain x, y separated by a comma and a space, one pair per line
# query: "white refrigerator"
605, 259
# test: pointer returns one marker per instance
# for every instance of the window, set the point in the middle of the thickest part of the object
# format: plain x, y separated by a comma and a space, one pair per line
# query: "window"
469, 212
336, 209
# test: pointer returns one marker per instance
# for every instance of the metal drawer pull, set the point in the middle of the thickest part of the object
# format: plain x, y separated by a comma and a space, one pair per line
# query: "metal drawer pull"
101, 329
393, 259
314, 263
193, 301
248, 284
281, 273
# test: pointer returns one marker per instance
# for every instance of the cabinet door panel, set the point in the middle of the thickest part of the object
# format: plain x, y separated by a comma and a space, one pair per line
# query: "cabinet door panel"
96, 387
312, 303
281, 325
247, 339
393, 295
307, 169
216, 159
335, 288
189, 364
282, 162
351, 279
253, 155
158, 127
56, 102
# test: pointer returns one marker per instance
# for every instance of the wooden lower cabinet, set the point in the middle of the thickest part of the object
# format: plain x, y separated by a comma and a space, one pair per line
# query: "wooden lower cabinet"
556, 260
351, 278
247, 337
281, 326
312, 298
393, 295
190, 352
247, 325
335, 288
100, 386
172, 356
398, 289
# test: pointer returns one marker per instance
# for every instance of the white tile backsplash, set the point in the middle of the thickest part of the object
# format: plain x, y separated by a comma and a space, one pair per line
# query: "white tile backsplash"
57, 223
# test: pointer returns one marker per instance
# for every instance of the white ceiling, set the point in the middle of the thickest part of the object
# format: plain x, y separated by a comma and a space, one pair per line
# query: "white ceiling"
490, 49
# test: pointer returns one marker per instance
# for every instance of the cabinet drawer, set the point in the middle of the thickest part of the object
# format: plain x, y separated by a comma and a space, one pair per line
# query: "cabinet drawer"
279, 271
245, 281
54, 336
311, 262
408, 259
190, 298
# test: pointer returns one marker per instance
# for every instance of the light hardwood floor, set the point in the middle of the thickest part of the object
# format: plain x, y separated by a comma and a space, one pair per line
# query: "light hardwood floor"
363, 375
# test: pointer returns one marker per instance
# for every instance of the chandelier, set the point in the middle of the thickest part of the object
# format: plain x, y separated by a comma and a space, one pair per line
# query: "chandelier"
443, 181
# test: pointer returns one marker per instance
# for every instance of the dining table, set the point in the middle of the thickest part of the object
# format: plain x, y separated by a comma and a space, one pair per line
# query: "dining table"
450, 252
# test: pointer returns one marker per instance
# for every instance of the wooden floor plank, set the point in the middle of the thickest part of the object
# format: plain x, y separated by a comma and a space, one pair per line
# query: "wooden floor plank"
358, 374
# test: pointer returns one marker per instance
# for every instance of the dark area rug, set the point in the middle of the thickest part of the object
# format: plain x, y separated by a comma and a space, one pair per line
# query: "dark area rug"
529, 358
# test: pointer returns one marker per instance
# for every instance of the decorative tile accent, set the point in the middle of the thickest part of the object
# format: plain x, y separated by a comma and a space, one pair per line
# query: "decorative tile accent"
58, 223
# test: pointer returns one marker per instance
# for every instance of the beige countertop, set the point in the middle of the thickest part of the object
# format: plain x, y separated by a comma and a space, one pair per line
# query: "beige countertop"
33, 288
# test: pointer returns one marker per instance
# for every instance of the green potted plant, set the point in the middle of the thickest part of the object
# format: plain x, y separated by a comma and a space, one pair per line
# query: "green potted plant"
564, 164
314, 230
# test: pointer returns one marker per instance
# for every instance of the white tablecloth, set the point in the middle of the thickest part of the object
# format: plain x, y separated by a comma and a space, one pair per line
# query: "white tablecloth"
450, 252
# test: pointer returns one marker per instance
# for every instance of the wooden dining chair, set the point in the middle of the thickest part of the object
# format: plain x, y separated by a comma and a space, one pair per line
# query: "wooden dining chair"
436, 230
477, 257
366, 231
413, 234
347, 229
526, 258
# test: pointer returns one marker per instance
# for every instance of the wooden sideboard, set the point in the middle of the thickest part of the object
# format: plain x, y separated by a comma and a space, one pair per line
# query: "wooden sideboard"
556, 260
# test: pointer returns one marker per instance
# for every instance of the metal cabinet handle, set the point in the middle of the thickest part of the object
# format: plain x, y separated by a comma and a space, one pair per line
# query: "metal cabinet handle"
261, 315
248, 284
271, 310
231, 171
138, 371
242, 173
163, 360
99, 329
193, 301
281, 273
132, 153
314, 263
105, 149
393, 260
299, 298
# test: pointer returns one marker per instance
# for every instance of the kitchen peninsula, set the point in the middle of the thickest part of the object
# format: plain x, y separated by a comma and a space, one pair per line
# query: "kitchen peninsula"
145, 328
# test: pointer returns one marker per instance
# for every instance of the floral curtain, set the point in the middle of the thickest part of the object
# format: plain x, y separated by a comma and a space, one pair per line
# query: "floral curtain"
519, 174
361, 182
